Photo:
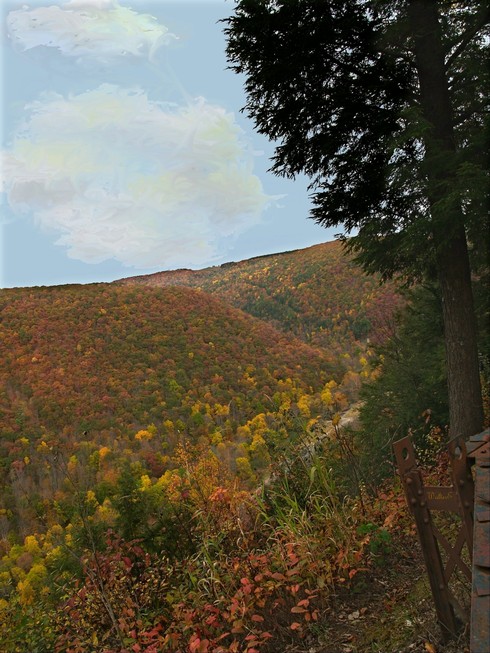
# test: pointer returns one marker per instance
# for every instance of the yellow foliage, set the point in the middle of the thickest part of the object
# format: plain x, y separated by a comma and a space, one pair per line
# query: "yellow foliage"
55, 530
258, 423
312, 423
54, 554
144, 434
26, 592
216, 438
243, 433
244, 470
33, 582
31, 545
286, 404
106, 512
103, 451
221, 411
250, 380
257, 442
204, 475
37, 573
18, 574
145, 482
196, 408
304, 405
91, 498
326, 396
171, 483
152, 429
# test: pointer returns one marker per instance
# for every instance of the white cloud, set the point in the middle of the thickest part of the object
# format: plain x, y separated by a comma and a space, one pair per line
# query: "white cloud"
99, 30
121, 177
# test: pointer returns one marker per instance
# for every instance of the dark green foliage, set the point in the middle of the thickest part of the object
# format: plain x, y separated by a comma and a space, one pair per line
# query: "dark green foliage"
335, 85
384, 106
333, 108
410, 393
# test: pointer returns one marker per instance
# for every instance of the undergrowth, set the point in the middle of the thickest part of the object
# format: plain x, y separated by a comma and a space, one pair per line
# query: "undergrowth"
257, 571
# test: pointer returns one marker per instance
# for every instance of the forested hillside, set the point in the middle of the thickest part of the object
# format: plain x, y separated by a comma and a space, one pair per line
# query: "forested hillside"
317, 293
102, 357
201, 461
151, 414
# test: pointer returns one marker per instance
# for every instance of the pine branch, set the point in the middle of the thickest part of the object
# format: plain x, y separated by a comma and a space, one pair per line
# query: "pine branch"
482, 19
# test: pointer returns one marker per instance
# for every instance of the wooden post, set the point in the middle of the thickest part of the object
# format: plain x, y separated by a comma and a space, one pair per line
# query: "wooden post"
418, 504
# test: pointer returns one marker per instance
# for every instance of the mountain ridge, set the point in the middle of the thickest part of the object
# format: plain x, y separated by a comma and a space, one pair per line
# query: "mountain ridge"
317, 293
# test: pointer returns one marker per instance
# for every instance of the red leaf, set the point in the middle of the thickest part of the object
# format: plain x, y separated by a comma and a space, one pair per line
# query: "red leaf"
257, 617
204, 646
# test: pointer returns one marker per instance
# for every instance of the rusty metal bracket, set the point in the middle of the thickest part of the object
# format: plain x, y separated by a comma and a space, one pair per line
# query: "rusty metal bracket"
478, 448
469, 497
421, 501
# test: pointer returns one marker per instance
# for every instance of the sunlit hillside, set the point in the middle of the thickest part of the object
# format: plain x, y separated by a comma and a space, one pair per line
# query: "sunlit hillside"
317, 293
101, 356
137, 423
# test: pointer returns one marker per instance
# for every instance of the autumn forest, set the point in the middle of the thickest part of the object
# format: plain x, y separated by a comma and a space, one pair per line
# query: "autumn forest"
173, 456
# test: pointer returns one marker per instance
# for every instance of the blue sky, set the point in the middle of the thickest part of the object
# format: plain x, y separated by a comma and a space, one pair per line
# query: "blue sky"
124, 150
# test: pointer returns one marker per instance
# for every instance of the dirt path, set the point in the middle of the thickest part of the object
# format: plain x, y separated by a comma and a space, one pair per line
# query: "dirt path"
389, 610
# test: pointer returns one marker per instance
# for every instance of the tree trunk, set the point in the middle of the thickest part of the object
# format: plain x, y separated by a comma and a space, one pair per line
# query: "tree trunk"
452, 260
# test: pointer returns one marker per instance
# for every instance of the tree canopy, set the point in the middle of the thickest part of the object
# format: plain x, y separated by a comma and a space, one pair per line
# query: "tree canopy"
383, 105
335, 84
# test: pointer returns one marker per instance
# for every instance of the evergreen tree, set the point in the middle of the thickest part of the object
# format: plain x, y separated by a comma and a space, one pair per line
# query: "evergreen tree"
409, 392
384, 106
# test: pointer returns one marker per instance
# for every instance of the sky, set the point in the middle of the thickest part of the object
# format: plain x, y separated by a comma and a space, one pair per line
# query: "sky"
124, 150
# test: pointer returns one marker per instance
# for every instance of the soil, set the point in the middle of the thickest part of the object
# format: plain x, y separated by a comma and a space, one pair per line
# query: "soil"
389, 610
